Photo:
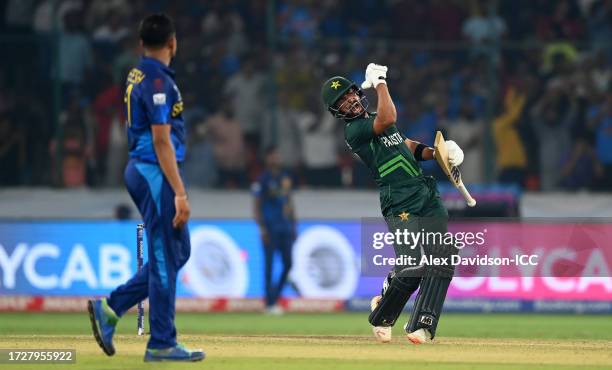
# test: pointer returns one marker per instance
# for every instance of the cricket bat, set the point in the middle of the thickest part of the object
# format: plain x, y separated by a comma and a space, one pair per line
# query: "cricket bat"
452, 172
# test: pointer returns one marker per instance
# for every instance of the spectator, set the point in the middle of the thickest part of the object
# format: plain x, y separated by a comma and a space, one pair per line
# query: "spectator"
245, 90
321, 135
511, 159
582, 166
199, 167
600, 120
75, 55
562, 24
112, 31
32, 122
421, 127
484, 31
297, 18
227, 62
12, 151
107, 109
601, 74
468, 132
73, 148
551, 118
127, 57
225, 134
18, 14
599, 23
43, 21
446, 19
281, 130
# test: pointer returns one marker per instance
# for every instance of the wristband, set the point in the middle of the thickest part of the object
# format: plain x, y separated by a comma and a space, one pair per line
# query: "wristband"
181, 197
418, 151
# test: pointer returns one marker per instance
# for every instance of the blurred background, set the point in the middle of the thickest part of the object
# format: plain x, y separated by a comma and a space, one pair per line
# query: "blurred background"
523, 86
500, 77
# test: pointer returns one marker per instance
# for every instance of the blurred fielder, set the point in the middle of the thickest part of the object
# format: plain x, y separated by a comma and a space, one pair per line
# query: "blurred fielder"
156, 135
409, 201
275, 216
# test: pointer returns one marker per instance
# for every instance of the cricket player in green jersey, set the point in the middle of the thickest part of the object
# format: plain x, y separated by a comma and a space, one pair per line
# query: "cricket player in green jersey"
408, 199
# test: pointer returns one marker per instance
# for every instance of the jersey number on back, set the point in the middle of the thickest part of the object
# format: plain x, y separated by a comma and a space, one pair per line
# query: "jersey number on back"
127, 101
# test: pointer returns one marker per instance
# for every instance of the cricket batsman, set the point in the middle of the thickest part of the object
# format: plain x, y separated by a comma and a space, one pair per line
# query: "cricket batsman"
156, 136
408, 199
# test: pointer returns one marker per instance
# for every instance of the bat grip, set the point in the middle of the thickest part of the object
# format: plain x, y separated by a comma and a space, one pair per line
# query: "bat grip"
471, 202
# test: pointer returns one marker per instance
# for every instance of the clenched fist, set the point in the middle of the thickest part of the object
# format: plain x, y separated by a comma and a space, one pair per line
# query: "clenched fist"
375, 74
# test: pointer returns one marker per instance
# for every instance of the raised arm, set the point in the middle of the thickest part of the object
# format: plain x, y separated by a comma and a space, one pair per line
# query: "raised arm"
386, 115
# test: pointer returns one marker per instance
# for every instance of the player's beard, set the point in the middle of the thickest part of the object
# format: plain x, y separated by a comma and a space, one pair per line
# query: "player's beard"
356, 109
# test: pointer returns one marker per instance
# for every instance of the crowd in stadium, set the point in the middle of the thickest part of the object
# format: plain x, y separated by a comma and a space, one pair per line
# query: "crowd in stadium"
536, 80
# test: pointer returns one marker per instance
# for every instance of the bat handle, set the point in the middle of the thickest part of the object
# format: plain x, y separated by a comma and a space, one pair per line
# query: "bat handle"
471, 202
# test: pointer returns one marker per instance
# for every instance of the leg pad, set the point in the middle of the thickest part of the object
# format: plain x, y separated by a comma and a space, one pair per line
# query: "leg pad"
394, 298
428, 305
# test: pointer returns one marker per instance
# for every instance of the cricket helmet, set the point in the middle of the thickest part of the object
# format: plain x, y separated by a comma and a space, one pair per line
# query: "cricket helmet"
333, 89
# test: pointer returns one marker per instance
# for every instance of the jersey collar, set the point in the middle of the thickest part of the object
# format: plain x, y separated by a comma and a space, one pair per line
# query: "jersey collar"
158, 64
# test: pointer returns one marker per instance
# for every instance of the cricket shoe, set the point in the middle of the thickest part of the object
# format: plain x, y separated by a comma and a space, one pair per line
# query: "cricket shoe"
275, 310
420, 336
103, 321
177, 353
382, 333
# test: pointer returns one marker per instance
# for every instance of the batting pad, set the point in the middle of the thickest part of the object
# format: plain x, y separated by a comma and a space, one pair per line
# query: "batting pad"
428, 305
393, 301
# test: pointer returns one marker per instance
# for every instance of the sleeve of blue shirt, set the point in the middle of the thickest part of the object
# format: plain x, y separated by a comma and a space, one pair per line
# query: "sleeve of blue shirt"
592, 112
157, 100
257, 188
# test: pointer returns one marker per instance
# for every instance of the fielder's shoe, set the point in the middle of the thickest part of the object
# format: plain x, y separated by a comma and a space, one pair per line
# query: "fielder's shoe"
178, 353
419, 336
103, 321
382, 333
275, 310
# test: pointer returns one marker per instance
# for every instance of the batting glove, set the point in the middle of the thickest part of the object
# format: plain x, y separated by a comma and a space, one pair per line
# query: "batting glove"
455, 154
375, 75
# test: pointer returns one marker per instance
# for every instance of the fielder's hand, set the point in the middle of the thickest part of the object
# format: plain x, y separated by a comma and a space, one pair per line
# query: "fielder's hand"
455, 154
375, 74
182, 211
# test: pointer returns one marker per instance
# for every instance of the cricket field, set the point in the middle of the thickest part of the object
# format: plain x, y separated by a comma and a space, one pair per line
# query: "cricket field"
328, 341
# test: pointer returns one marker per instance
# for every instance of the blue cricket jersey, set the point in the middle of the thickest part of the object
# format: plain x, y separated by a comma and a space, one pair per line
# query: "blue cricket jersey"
151, 98
274, 192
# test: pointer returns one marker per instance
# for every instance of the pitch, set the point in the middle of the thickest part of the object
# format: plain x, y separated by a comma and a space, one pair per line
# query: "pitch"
324, 341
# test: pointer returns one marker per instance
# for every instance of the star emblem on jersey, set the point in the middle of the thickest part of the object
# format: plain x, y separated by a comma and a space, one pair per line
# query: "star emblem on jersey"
335, 85
404, 216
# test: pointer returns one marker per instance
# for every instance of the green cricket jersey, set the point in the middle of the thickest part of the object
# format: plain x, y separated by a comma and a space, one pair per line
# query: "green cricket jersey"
403, 188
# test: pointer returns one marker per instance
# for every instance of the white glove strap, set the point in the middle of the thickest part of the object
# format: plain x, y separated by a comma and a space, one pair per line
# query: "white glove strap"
378, 82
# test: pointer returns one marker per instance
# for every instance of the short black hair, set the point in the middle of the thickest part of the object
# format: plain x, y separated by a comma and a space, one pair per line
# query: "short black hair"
156, 30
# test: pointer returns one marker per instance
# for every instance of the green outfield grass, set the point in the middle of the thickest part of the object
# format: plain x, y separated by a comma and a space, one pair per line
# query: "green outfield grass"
324, 341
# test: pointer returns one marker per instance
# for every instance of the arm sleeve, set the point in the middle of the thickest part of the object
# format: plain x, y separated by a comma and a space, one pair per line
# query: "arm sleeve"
157, 101
360, 132
257, 188
592, 112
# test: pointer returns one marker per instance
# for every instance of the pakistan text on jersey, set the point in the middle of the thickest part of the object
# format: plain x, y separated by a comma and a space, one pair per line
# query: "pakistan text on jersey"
389, 141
